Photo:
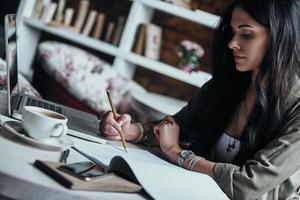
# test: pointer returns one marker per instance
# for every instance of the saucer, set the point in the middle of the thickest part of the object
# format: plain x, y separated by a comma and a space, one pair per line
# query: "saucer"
49, 144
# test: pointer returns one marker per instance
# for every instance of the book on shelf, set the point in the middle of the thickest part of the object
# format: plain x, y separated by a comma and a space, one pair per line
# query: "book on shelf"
89, 23
119, 30
82, 12
153, 41
69, 13
60, 10
140, 39
152, 173
99, 26
38, 9
48, 12
109, 31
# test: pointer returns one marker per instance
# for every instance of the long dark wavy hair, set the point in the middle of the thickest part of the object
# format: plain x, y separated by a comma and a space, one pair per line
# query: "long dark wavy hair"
280, 65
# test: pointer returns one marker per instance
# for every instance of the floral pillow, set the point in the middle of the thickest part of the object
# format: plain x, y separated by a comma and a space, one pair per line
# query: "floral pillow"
24, 85
2, 74
84, 75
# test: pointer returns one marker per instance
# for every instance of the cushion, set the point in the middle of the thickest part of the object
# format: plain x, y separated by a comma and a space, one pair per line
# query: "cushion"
84, 75
24, 85
2, 74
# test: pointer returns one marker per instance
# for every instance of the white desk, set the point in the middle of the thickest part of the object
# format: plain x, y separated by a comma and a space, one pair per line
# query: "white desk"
19, 179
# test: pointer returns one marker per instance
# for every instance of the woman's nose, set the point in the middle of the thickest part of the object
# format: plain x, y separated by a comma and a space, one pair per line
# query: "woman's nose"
233, 44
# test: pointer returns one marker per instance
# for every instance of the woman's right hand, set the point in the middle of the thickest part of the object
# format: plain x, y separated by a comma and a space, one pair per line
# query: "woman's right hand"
110, 127
167, 134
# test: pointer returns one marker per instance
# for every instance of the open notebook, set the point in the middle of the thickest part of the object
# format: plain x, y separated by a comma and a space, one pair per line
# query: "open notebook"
160, 179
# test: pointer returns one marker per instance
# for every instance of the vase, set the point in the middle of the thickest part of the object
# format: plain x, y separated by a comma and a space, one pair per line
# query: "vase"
188, 68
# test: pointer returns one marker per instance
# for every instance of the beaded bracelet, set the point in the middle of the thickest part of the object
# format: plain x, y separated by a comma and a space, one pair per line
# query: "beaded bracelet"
142, 133
146, 136
193, 162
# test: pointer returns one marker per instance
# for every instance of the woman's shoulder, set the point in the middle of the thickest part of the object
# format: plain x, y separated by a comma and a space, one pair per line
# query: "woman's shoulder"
292, 102
293, 110
213, 85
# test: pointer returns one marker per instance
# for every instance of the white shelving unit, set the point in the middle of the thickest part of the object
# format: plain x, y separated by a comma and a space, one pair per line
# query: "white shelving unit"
125, 61
200, 17
68, 35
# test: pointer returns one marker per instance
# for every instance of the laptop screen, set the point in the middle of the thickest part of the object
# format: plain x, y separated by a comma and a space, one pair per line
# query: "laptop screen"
11, 55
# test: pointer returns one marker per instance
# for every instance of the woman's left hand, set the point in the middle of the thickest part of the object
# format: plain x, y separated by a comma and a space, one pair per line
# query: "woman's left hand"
167, 134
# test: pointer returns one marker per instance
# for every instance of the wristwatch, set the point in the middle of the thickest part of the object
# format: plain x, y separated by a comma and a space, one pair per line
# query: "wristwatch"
183, 155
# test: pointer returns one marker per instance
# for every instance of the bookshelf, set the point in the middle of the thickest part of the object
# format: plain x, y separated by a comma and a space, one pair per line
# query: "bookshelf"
125, 61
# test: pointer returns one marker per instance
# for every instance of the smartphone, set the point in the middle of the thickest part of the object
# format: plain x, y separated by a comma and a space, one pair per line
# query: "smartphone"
83, 170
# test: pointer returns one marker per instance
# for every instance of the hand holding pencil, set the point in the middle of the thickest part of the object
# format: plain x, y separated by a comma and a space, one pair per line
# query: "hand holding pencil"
115, 117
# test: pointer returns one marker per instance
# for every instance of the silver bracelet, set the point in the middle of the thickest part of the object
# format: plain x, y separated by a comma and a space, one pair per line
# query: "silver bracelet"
180, 161
184, 155
142, 132
193, 162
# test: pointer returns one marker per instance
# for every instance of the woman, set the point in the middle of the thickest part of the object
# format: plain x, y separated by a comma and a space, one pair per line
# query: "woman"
244, 124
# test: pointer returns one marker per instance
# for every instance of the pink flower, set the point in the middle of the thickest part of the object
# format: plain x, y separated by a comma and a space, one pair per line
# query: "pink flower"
191, 45
188, 45
189, 53
200, 52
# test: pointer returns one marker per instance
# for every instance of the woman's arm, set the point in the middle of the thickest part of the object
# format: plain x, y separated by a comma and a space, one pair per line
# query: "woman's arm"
191, 115
202, 165
268, 168
167, 134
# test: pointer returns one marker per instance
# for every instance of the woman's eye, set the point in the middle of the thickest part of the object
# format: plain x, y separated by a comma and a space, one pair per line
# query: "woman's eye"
247, 35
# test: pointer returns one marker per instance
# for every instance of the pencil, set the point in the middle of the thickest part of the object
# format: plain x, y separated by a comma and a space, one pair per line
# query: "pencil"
113, 109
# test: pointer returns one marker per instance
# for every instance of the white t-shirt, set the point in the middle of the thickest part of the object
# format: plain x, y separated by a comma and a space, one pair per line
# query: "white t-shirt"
226, 148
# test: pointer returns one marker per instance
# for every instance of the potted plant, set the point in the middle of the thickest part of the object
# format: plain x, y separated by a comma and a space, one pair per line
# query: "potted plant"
189, 53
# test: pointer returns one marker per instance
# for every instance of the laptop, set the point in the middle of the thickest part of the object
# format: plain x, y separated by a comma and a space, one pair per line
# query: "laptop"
77, 120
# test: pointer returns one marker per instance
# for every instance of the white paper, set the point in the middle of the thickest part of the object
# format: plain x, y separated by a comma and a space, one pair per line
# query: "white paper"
105, 153
165, 182
159, 178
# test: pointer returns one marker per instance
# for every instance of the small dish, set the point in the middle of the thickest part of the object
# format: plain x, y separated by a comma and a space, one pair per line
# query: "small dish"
49, 144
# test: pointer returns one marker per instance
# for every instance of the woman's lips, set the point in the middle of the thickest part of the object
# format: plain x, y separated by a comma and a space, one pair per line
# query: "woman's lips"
236, 57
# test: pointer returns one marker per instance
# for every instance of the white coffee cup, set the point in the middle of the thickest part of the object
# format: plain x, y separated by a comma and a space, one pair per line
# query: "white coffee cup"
43, 124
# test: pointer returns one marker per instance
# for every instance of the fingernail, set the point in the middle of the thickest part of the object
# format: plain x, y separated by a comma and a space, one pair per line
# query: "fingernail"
121, 123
